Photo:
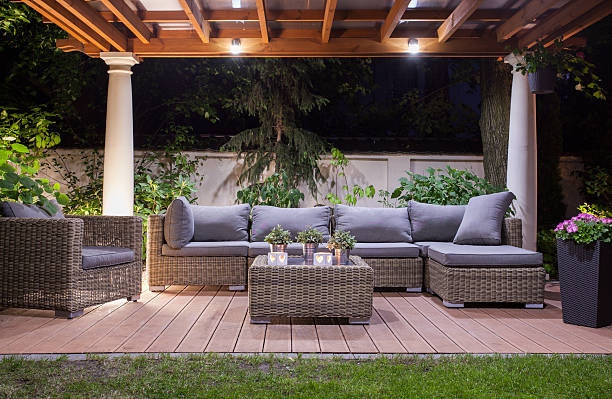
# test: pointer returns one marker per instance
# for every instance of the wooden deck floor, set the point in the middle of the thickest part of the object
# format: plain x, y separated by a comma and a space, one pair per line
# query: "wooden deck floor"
212, 319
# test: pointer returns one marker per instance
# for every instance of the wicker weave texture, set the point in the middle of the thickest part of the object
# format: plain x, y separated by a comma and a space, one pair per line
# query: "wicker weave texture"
189, 270
310, 291
397, 272
41, 262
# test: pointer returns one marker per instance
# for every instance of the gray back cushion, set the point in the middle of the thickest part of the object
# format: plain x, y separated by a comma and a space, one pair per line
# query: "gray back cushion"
374, 224
483, 218
221, 223
265, 218
19, 210
178, 224
432, 222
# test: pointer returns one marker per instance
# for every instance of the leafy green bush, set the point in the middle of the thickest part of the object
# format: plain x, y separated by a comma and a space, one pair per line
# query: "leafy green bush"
341, 240
278, 236
310, 236
547, 245
350, 196
274, 191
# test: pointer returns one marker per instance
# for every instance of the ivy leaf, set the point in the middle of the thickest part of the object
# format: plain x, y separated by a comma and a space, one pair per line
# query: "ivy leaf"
20, 148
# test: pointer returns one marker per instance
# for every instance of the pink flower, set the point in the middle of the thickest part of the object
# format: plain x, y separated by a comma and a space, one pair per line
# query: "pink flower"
580, 54
571, 228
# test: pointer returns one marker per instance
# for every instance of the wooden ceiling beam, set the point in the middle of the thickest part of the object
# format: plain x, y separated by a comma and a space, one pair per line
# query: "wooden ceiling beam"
393, 18
51, 18
527, 14
263, 22
75, 25
91, 18
194, 14
594, 15
457, 18
328, 19
129, 19
556, 21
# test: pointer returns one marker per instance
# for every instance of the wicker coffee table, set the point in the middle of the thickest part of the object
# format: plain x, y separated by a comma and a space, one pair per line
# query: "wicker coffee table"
299, 290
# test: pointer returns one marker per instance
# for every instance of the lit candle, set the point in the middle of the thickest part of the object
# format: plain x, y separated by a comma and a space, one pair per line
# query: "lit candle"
322, 259
272, 258
281, 259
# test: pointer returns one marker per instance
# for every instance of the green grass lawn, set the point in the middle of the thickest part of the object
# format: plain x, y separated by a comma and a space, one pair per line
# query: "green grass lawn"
267, 377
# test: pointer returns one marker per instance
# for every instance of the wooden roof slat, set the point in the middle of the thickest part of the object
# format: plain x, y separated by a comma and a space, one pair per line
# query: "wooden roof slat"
46, 14
457, 18
263, 22
528, 13
91, 18
393, 18
328, 19
194, 14
556, 21
594, 15
129, 19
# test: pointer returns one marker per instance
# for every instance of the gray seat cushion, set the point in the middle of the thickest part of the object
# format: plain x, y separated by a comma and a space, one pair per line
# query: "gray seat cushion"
430, 222
483, 218
18, 210
95, 257
265, 218
221, 223
374, 224
424, 246
293, 249
385, 250
450, 254
209, 248
178, 223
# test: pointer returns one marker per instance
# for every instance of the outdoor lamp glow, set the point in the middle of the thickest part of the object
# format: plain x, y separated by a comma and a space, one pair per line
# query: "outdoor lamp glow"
236, 4
236, 47
413, 46
413, 4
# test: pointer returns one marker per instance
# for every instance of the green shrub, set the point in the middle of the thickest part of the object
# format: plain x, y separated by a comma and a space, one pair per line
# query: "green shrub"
547, 245
274, 191
341, 240
310, 236
278, 236
350, 196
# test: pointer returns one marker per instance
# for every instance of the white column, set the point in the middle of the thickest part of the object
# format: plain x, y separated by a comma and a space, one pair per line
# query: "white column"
118, 189
522, 174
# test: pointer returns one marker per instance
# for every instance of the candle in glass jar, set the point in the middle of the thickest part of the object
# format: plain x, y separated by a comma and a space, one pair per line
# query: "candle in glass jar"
322, 259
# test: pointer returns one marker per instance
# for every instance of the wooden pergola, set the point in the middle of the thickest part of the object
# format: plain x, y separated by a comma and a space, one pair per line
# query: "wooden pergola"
122, 32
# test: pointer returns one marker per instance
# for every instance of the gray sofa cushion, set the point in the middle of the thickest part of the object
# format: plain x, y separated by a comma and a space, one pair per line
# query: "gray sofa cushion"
178, 223
293, 249
385, 250
265, 218
374, 224
430, 222
209, 248
19, 210
95, 257
221, 223
483, 218
450, 254
424, 246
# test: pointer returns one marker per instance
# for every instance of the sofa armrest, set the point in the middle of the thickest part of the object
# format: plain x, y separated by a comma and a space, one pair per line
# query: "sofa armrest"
112, 231
512, 232
155, 236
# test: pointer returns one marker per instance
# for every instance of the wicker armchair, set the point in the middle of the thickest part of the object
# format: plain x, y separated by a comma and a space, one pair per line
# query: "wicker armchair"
41, 263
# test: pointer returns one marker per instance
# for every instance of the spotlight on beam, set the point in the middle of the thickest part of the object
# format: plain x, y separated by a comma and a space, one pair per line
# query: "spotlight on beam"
413, 4
236, 47
413, 46
236, 3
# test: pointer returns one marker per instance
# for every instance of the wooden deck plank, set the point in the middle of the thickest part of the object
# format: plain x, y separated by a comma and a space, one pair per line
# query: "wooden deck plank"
149, 331
382, 336
556, 313
358, 339
278, 336
330, 336
460, 336
480, 332
172, 336
198, 336
251, 338
409, 338
124, 330
432, 334
225, 336
21, 325
304, 337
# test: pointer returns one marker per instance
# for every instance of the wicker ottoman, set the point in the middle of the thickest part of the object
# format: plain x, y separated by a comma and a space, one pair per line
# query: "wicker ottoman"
299, 290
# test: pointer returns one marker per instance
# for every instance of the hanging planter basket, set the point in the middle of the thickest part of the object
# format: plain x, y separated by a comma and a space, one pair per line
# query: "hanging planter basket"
585, 276
542, 81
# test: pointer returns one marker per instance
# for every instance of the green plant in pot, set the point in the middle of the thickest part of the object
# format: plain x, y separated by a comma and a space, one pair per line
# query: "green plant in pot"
543, 65
341, 243
310, 240
584, 252
278, 239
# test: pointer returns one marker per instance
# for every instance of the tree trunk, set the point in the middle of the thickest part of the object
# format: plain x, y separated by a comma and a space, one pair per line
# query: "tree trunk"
495, 89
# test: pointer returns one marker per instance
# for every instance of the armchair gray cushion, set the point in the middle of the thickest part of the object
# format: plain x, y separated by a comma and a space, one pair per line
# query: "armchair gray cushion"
221, 223
431, 222
483, 218
374, 224
96, 257
265, 218
450, 254
179, 223
209, 248
19, 210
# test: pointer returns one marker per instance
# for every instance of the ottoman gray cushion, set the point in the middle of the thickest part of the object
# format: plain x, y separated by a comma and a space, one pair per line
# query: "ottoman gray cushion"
95, 257
293, 249
265, 218
209, 248
385, 250
374, 224
178, 223
450, 254
483, 218
19, 210
221, 223
431, 222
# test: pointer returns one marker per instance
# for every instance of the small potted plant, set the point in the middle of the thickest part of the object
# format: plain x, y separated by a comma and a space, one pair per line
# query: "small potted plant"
341, 243
278, 239
310, 239
584, 252
543, 65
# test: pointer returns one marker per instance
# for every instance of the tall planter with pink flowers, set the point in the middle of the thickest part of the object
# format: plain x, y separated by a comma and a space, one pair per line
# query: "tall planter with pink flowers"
584, 251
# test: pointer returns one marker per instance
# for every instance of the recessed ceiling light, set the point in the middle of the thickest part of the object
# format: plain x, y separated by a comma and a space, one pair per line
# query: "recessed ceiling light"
413, 46
413, 4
